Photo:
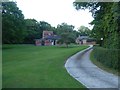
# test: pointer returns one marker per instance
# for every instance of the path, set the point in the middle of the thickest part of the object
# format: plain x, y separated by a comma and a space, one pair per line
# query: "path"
83, 70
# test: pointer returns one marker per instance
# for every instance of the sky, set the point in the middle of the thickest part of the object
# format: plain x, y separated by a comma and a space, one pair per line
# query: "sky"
55, 12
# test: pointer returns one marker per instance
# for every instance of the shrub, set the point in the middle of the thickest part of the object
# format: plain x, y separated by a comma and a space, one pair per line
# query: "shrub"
108, 57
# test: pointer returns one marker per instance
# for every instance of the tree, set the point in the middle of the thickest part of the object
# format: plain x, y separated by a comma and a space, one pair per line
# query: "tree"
32, 28
64, 27
13, 25
84, 31
67, 33
106, 21
44, 25
66, 39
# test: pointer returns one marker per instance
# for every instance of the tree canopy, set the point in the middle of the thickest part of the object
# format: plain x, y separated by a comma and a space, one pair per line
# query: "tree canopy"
84, 31
13, 24
66, 38
67, 33
65, 28
106, 21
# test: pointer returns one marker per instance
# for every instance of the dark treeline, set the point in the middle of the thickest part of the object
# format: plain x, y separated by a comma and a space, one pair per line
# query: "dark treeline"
16, 29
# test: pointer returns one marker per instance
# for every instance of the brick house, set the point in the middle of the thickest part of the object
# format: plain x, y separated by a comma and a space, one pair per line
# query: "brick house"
48, 38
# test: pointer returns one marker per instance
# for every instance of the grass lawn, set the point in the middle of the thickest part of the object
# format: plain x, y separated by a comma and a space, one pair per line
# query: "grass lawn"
103, 67
27, 66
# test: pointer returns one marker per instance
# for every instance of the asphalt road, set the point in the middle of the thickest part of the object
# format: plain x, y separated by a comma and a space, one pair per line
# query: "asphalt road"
82, 69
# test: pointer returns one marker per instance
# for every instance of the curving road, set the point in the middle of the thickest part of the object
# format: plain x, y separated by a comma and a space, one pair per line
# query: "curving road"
82, 69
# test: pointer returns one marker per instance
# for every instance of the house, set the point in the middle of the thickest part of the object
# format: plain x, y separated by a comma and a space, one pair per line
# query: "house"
85, 40
48, 38
82, 39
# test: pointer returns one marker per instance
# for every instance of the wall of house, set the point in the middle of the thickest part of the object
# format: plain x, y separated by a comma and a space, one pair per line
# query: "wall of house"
48, 42
37, 42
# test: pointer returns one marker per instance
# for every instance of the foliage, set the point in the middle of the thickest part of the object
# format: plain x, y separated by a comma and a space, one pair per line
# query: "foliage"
107, 58
66, 38
64, 28
106, 21
35, 29
27, 66
84, 31
45, 26
31, 28
13, 24
67, 33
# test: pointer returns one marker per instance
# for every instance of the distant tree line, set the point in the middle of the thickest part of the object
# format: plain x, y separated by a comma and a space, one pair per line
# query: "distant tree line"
16, 29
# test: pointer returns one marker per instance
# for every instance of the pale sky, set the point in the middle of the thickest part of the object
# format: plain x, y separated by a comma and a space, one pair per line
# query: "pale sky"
55, 12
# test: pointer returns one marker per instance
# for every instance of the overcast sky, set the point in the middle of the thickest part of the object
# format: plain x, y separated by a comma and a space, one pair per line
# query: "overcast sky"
55, 12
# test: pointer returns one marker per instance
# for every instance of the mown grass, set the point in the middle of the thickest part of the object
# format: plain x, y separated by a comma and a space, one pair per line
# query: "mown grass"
102, 66
27, 66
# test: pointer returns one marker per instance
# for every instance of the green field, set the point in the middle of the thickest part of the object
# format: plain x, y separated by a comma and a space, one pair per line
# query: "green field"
27, 66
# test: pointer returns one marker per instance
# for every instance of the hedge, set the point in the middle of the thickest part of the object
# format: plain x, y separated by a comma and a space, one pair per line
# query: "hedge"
108, 57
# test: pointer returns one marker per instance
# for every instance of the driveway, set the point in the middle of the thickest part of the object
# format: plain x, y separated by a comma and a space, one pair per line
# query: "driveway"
82, 69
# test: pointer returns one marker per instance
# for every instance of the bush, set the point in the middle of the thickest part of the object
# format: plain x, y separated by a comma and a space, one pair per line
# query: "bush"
108, 57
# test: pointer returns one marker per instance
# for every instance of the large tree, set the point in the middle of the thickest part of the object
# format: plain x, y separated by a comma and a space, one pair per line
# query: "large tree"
67, 33
32, 28
64, 28
106, 21
84, 31
13, 25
